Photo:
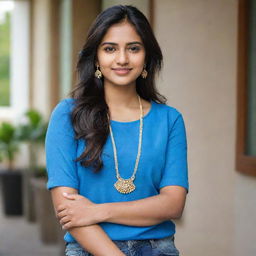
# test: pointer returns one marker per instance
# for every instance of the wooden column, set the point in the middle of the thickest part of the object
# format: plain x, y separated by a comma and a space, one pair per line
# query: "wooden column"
54, 52
83, 14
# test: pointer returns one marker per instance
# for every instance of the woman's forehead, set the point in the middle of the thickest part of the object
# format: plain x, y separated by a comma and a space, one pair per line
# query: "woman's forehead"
122, 32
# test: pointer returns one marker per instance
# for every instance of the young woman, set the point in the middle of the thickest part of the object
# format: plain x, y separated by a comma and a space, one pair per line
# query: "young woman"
116, 153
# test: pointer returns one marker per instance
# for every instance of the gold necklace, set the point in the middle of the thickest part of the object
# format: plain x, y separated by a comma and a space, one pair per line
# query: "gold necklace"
126, 186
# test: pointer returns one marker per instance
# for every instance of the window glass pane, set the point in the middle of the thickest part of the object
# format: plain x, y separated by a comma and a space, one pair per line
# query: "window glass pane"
5, 17
65, 48
251, 124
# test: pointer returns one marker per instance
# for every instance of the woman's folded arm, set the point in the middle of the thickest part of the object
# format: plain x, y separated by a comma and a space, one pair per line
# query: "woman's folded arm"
92, 238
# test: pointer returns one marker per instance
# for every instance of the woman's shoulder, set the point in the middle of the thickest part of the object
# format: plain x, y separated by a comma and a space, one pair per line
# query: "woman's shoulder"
166, 109
62, 111
170, 116
64, 106
66, 103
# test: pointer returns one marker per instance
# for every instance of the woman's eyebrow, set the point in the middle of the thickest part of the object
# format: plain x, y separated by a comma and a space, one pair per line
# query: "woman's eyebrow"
108, 43
112, 43
136, 42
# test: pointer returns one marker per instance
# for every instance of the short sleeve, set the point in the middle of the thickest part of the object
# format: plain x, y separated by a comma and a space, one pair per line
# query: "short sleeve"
176, 168
60, 147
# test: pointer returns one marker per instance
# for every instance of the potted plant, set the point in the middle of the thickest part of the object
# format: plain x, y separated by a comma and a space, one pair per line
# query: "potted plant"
33, 133
37, 199
11, 178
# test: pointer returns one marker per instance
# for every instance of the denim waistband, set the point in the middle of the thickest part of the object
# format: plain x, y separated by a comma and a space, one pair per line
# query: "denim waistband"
132, 243
149, 247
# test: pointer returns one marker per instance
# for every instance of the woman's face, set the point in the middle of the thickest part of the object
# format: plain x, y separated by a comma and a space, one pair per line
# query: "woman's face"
121, 55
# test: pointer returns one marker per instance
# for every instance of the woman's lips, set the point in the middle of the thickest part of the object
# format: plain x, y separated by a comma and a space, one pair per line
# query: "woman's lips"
121, 71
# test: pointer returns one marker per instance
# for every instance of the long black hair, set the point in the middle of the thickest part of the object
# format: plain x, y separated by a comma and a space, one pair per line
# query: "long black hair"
90, 113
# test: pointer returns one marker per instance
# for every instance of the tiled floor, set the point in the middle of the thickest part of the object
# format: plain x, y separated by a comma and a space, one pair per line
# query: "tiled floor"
20, 238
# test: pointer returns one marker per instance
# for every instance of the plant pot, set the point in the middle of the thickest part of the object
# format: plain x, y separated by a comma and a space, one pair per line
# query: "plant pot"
29, 197
12, 192
49, 228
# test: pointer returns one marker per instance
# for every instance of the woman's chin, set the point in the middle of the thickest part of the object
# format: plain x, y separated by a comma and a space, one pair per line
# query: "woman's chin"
121, 82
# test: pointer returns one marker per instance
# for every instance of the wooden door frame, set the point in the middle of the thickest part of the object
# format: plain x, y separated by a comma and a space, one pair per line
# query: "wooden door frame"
244, 163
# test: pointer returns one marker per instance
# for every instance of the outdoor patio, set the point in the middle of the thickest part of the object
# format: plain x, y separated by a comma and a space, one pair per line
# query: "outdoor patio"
20, 238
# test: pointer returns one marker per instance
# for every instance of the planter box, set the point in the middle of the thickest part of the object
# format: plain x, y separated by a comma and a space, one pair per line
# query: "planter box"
11, 184
29, 197
49, 228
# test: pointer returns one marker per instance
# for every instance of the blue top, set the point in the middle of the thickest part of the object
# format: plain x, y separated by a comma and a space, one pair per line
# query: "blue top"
163, 162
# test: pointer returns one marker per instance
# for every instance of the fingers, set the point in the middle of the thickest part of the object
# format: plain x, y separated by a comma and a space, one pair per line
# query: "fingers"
61, 207
67, 225
62, 214
64, 220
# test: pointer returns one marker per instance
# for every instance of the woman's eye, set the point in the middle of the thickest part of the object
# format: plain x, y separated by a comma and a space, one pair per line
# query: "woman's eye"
134, 48
109, 49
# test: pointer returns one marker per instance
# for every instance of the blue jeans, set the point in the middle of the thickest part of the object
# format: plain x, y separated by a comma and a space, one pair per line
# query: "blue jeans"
151, 247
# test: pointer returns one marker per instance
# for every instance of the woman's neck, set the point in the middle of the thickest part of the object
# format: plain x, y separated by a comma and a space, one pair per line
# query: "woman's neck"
123, 103
121, 96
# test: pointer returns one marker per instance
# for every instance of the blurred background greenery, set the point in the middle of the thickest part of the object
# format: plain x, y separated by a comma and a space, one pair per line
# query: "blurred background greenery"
5, 60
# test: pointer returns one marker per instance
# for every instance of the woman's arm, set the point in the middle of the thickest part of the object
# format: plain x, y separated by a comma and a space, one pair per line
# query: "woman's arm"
169, 204
91, 238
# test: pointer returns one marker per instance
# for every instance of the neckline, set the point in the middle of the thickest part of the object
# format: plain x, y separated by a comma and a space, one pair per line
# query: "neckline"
135, 121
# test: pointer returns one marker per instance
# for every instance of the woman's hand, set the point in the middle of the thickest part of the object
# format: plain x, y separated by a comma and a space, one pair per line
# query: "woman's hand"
78, 211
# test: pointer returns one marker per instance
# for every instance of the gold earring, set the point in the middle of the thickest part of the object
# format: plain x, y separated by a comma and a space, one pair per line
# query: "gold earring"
98, 73
144, 73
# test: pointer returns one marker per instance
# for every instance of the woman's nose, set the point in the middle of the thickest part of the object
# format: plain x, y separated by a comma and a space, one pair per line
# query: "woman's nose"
122, 58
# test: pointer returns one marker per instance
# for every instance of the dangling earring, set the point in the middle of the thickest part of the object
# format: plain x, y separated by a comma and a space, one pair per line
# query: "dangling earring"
98, 73
144, 73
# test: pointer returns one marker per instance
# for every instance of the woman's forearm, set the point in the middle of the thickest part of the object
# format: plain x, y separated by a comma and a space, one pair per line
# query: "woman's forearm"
144, 212
149, 211
92, 238
95, 240
79, 211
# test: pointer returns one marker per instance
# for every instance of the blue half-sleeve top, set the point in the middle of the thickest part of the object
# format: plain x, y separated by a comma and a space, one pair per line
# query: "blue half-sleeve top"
163, 162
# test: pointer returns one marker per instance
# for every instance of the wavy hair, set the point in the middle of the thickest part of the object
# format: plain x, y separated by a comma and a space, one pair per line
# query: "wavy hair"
90, 113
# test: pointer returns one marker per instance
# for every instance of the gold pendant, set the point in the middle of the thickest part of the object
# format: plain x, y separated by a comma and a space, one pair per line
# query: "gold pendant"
125, 186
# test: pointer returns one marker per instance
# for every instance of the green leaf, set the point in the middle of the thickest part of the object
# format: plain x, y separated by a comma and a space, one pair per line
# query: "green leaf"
7, 131
34, 117
9, 143
34, 130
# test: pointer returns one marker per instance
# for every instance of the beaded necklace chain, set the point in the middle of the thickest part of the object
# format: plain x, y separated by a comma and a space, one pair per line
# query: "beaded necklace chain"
126, 186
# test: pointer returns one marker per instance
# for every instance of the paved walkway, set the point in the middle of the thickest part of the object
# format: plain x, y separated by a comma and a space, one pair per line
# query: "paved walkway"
20, 238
